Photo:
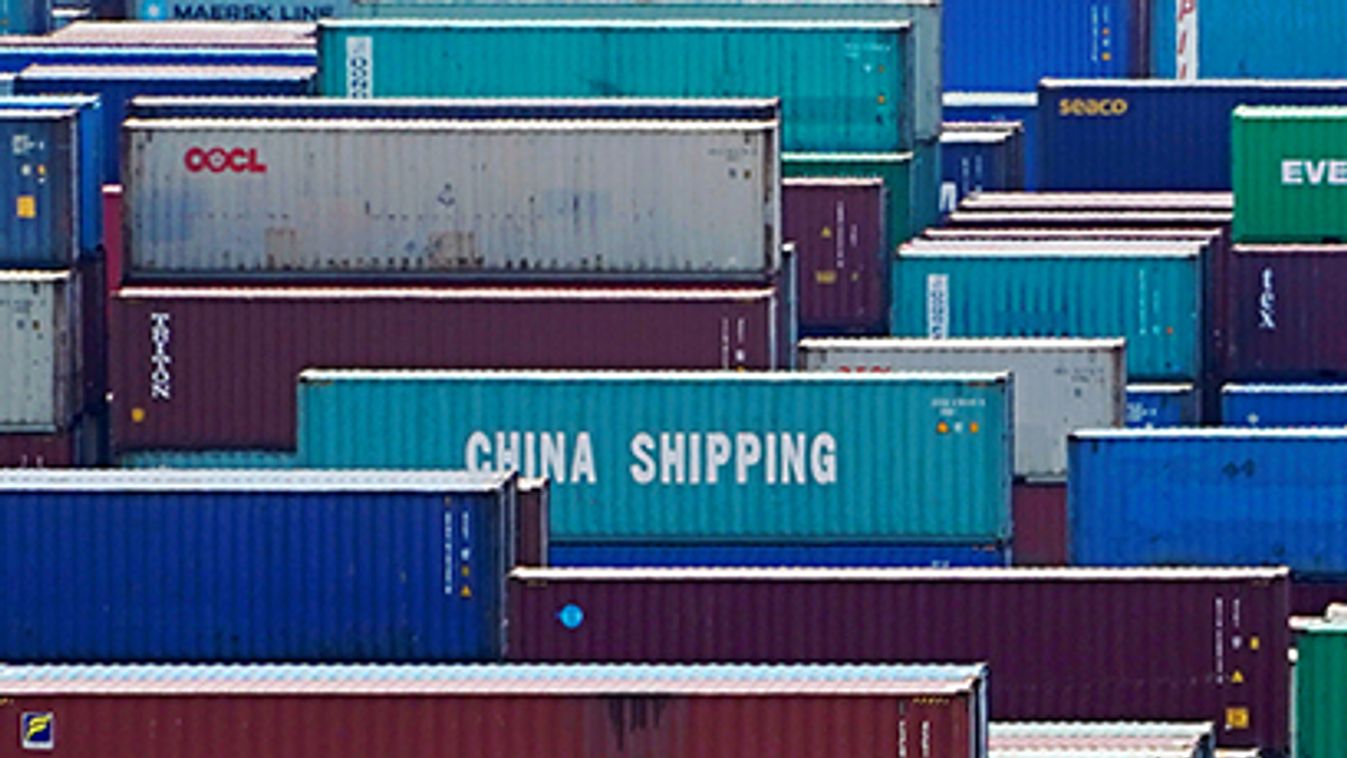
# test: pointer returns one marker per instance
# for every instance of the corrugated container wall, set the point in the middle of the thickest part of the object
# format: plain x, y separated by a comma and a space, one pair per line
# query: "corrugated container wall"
1160, 406
39, 188
1320, 698
452, 198
533, 523
80, 444
845, 86
16, 54
1060, 385
1039, 515
1065, 644
42, 371
200, 369
1289, 174
253, 566
838, 556
227, 10
116, 85
924, 15
1274, 405
1210, 497
1310, 597
1253, 39
1175, 135
842, 258
1147, 292
25, 17
210, 459
995, 45
1002, 107
696, 457
976, 162
895, 169
484, 712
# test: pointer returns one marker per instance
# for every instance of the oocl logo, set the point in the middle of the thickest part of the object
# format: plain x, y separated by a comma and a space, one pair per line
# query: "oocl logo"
218, 160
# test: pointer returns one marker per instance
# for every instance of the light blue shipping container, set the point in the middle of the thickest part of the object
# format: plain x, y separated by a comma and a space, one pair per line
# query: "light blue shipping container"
844, 86
1256, 39
834, 556
214, 566
1273, 405
25, 16
39, 189
1213, 497
1161, 406
1148, 293
695, 457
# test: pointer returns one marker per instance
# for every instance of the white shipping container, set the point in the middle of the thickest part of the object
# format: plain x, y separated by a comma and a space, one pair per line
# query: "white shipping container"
687, 199
1060, 384
39, 368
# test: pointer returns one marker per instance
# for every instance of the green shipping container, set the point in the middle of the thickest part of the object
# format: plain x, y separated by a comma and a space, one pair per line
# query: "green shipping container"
704, 457
924, 15
1290, 174
845, 86
1319, 717
1148, 293
895, 169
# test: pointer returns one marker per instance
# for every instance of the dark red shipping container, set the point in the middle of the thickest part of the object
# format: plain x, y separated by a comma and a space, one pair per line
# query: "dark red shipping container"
1312, 598
489, 712
81, 444
112, 236
531, 535
198, 369
1039, 516
1062, 644
1287, 313
837, 226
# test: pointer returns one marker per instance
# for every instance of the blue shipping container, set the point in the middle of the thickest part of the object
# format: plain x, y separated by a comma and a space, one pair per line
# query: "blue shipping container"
206, 566
1210, 497
39, 190
116, 85
1152, 135
25, 16
838, 556
977, 162
1161, 406
1303, 39
18, 57
1001, 106
89, 154
1284, 405
1008, 45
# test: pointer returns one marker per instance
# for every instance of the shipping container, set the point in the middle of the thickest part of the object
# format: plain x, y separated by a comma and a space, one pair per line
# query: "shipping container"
747, 555
924, 15
1284, 320
533, 523
76, 445
975, 161
1287, 174
42, 341
1060, 384
278, 11
1310, 597
208, 459
1101, 201
115, 85
1249, 38
63, 17
1153, 134
927, 170
113, 252
842, 257
1320, 697
1016, 145
1100, 739
88, 157
895, 169
702, 458
206, 566
1209, 497
1088, 219
1214, 235
215, 369
574, 711
25, 17
1170, 644
18, 53
186, 35
844, 86
1159, 406
40, 188
1275, 405
452, 198
995, 45
1038, 511
1014, 107
1148, 292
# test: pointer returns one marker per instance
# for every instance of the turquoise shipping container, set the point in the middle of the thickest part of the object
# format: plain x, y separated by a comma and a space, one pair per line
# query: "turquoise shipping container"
1149, 293
208, 459
695, 457
845, 86
925, 15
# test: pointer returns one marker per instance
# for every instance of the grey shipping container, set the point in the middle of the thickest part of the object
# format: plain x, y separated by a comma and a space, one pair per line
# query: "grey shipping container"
1060, 384
41, 380
563, 199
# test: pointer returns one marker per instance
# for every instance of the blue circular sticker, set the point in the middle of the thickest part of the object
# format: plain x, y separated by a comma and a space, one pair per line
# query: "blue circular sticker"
571, 616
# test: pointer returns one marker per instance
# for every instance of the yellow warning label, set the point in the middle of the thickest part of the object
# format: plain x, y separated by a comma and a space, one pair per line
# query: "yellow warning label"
465, 592
1237, 677
465, 571
137, 415
826, 277
826, 232
1237, 718
26, 206
1254, 642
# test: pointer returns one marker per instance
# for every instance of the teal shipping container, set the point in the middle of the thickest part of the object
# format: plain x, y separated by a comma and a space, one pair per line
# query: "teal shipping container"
925, 16
845, 86
208, 459
895, 169
695, 457
1147, 292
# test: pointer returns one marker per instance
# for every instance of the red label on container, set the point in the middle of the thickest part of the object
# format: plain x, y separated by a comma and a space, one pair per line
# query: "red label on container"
217, 160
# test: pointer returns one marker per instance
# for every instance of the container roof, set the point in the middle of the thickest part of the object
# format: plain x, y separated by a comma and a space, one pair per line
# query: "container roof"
1093, 574
239, 480
134, 72
185, 33
19, 276
402, 125
470, 294
895, 158
1049, 233
990, 99
1283, 389
1211, 433
1164, 388
431, 103
659, 24
1179, 84
1087, 199
1019, 248
987, 137
962, 344
434, 375
1074, 729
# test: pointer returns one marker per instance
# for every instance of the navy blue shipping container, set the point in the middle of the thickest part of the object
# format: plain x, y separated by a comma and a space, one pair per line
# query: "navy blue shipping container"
619, 556
1161, 406
978, 161
116, 85
39, 190
1008, 45
89, 156
15, 58
1019, 107
1273, 405
208, 566
1209, 497
1155, 134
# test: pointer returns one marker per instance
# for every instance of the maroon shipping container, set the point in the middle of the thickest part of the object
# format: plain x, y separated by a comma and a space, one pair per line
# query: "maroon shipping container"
531, 534
1312, 598
1072, 644
197, 369
79, 445
492, 712
1287, 314
112, 236
837, 226
1039, 517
